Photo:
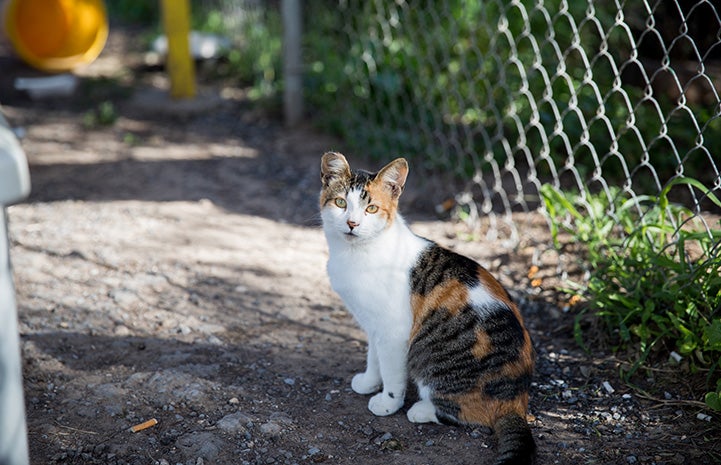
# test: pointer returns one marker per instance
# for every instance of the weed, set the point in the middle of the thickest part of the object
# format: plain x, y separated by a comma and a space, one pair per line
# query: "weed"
104, 114
655, 276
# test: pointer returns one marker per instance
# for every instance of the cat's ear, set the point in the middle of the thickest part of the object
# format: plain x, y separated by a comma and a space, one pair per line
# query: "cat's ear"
333, 165
393, 176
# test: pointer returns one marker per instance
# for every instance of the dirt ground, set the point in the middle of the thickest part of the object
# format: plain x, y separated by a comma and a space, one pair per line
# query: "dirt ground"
174, 268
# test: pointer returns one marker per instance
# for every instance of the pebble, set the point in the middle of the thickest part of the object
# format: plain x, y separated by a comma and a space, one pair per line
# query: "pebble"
121, 331
675, 358
270, 428
214, 340
233, 423
313, 451
631, 459
607, 386
184, 330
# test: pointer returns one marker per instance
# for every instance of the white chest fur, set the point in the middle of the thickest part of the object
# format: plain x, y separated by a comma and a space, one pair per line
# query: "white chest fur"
372, 278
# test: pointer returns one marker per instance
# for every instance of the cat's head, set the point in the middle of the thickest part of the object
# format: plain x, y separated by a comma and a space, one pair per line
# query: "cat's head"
359, 205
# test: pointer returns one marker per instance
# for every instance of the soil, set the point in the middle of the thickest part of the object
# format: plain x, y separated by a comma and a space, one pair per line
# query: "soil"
171, 267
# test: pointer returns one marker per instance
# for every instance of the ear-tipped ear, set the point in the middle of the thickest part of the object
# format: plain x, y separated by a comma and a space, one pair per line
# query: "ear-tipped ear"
394, 176
333, 165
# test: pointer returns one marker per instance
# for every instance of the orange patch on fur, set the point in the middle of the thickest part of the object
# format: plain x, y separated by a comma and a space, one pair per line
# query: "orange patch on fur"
451, 295
477, 408
483, 344
381, 197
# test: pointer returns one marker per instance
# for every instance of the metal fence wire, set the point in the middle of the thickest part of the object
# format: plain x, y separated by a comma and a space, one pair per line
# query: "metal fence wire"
613, 98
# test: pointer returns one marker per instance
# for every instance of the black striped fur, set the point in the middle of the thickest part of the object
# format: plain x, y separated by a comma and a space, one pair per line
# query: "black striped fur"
476, 357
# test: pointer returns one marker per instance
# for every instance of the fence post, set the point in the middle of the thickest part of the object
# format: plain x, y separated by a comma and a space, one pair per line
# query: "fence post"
292, 62
176, 23
14, 186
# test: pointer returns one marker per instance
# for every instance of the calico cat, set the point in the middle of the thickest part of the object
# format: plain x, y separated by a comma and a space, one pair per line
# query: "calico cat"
430, 314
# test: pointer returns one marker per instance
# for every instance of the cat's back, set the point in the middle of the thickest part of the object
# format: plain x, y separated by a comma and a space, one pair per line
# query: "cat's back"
467, 337
441, 277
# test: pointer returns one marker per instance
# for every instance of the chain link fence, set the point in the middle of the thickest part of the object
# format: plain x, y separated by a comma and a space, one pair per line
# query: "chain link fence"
499, 98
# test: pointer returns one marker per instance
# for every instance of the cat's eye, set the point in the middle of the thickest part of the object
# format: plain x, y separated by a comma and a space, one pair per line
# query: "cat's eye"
340, 203
372, 209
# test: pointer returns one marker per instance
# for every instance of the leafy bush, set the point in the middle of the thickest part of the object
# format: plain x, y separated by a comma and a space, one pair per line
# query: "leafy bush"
654, 278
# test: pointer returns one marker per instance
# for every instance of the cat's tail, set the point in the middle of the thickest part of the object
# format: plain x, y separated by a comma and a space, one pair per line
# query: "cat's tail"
515, 442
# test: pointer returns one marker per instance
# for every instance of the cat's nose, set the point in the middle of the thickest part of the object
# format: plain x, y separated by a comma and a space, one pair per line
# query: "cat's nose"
352, 224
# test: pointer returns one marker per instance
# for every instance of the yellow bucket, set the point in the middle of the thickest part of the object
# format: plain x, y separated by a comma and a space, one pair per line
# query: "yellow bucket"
56, 35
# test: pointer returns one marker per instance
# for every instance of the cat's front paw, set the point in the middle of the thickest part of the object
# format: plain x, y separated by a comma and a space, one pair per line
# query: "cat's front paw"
423, 411
383, 403
364, 383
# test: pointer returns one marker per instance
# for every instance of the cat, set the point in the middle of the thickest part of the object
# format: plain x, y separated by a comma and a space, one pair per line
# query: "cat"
430, 314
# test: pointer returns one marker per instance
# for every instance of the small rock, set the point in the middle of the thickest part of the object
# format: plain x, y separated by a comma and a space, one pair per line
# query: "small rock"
233, 423
289, 381
383, 438
214, 340
270, 428
607, 386
184, 330
313, 451
631, 459
121, 331
234, 401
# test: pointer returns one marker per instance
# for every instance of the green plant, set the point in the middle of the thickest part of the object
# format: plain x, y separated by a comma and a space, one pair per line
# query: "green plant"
104, 114
654, 278
254, 59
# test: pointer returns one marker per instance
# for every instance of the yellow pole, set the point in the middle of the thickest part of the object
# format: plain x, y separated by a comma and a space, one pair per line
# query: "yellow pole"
176, 22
